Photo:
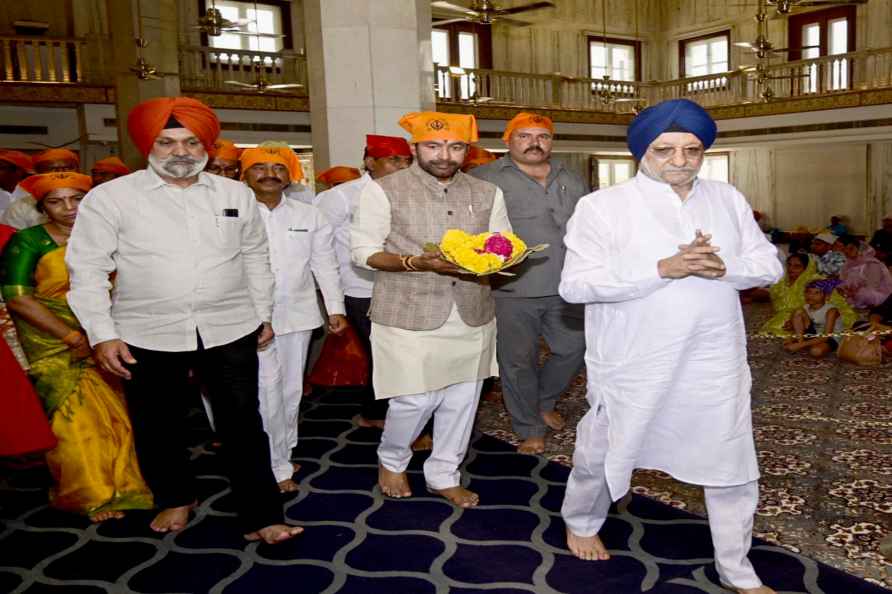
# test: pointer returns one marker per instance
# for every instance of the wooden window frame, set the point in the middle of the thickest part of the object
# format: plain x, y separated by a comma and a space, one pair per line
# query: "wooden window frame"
484, 42
595, 159
683, 43
635, 44
822, 17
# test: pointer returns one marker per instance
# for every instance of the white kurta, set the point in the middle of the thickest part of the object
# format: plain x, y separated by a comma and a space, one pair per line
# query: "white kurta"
419, 361
667, 358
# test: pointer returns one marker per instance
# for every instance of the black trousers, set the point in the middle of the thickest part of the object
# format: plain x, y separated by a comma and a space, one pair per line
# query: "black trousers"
358, 315
158, 400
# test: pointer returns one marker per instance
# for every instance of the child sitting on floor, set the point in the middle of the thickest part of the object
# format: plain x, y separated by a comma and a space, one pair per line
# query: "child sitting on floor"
816, 318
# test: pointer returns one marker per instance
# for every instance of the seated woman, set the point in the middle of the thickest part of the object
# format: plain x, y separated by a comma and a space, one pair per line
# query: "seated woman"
788, 296
866, 282
816, 318
94, 464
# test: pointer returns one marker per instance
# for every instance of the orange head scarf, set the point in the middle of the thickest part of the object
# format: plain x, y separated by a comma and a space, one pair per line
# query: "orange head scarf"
273, 154
377, 146
147, 119
224, 149
338, 175
42, 184
17, 158
111, 165
527, 120
55, 155
476, 157
433, 125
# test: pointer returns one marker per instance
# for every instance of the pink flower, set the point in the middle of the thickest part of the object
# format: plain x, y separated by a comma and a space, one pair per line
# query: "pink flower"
499, 245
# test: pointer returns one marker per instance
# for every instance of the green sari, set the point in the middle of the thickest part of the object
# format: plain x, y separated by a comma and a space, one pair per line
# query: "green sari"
94, 465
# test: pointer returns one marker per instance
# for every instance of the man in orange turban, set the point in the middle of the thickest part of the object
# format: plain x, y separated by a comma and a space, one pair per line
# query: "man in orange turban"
476, 157
433, 328
223, 159
540, 193
107, 169
21, 212
194, 289
337, 175
14, 167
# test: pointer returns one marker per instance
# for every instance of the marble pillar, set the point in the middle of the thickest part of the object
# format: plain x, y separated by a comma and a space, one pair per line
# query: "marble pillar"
369, 62
158, 20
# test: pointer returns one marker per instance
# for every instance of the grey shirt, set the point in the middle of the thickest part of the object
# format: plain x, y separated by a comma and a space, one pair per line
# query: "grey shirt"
538, 215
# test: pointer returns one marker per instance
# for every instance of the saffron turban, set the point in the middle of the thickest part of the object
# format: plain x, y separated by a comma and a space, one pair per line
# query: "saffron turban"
338, 175
55, 155
224, 149
477, 156
17, 158
527, 120
41, 185
111, 165
377, 146
147, 119
674, 115
433, 125
272, 154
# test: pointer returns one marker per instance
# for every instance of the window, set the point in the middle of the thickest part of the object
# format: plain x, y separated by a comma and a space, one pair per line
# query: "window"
608, 170
704, 55
456, 48
264, 16
832, 32
716, 166
619, 59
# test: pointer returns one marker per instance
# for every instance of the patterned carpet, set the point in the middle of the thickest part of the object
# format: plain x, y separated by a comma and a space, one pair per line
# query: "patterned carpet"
357, 542
824, 437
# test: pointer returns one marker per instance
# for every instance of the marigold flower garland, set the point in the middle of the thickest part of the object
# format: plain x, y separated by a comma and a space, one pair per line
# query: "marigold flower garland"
485, 253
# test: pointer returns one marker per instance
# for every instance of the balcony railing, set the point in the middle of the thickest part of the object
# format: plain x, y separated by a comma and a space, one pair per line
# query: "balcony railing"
41, 59
867, 69
209, 69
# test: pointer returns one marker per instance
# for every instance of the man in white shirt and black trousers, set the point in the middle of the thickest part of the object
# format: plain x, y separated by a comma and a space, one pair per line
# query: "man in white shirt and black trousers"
192, 289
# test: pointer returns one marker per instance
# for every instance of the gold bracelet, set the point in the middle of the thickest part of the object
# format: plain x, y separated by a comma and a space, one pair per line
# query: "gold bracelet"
410, 265
404, 260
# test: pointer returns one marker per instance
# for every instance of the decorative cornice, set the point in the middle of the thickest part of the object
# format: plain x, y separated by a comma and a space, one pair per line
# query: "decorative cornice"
506, 112
38, 93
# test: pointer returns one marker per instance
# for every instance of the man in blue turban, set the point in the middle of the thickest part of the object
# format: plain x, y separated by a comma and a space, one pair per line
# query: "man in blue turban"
658, 262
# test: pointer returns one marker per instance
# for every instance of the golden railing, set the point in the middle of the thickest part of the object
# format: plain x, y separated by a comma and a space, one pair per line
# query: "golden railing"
208, 68
41, 59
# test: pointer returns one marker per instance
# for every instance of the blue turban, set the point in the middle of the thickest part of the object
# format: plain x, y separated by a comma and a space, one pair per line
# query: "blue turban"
674, 115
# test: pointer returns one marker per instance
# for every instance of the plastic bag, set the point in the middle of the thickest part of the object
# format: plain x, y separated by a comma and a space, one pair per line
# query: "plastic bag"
342, 361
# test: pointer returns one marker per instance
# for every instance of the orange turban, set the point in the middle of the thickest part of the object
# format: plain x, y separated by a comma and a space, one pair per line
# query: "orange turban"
17, 158
433, 125
55, 155
111, 165
224, 149
477, 156
338, 175
40, 185
377, 146
147, 119
272, 154
527, 120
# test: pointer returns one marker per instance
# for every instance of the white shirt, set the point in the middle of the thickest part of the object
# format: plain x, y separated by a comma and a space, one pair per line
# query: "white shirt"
186, 259
411, 361
300, 248
667, 358
298, 191
339, 204
22, 211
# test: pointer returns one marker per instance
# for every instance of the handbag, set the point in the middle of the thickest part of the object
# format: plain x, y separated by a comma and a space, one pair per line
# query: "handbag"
861, 350
342, 361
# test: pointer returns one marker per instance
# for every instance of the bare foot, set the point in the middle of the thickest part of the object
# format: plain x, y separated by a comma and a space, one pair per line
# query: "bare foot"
106, 515
171, 519
275, 534
361, 421
760, 590
587, 548
423, 443
393, 484
458, 495
532, 445
288, 486
554, 420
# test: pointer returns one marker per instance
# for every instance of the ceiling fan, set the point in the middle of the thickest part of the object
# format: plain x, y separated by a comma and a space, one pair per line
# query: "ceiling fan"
486, 12
761, 46
261, 85
785, 6
212, 23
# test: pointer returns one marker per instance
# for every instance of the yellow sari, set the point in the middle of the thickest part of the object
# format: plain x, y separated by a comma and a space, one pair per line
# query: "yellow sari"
787, 297
94, 466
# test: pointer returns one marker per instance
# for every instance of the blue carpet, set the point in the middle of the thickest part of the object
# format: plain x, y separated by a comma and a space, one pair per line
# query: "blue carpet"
358, 542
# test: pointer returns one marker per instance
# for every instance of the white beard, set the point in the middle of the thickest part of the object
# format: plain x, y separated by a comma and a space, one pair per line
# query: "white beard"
180, 170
